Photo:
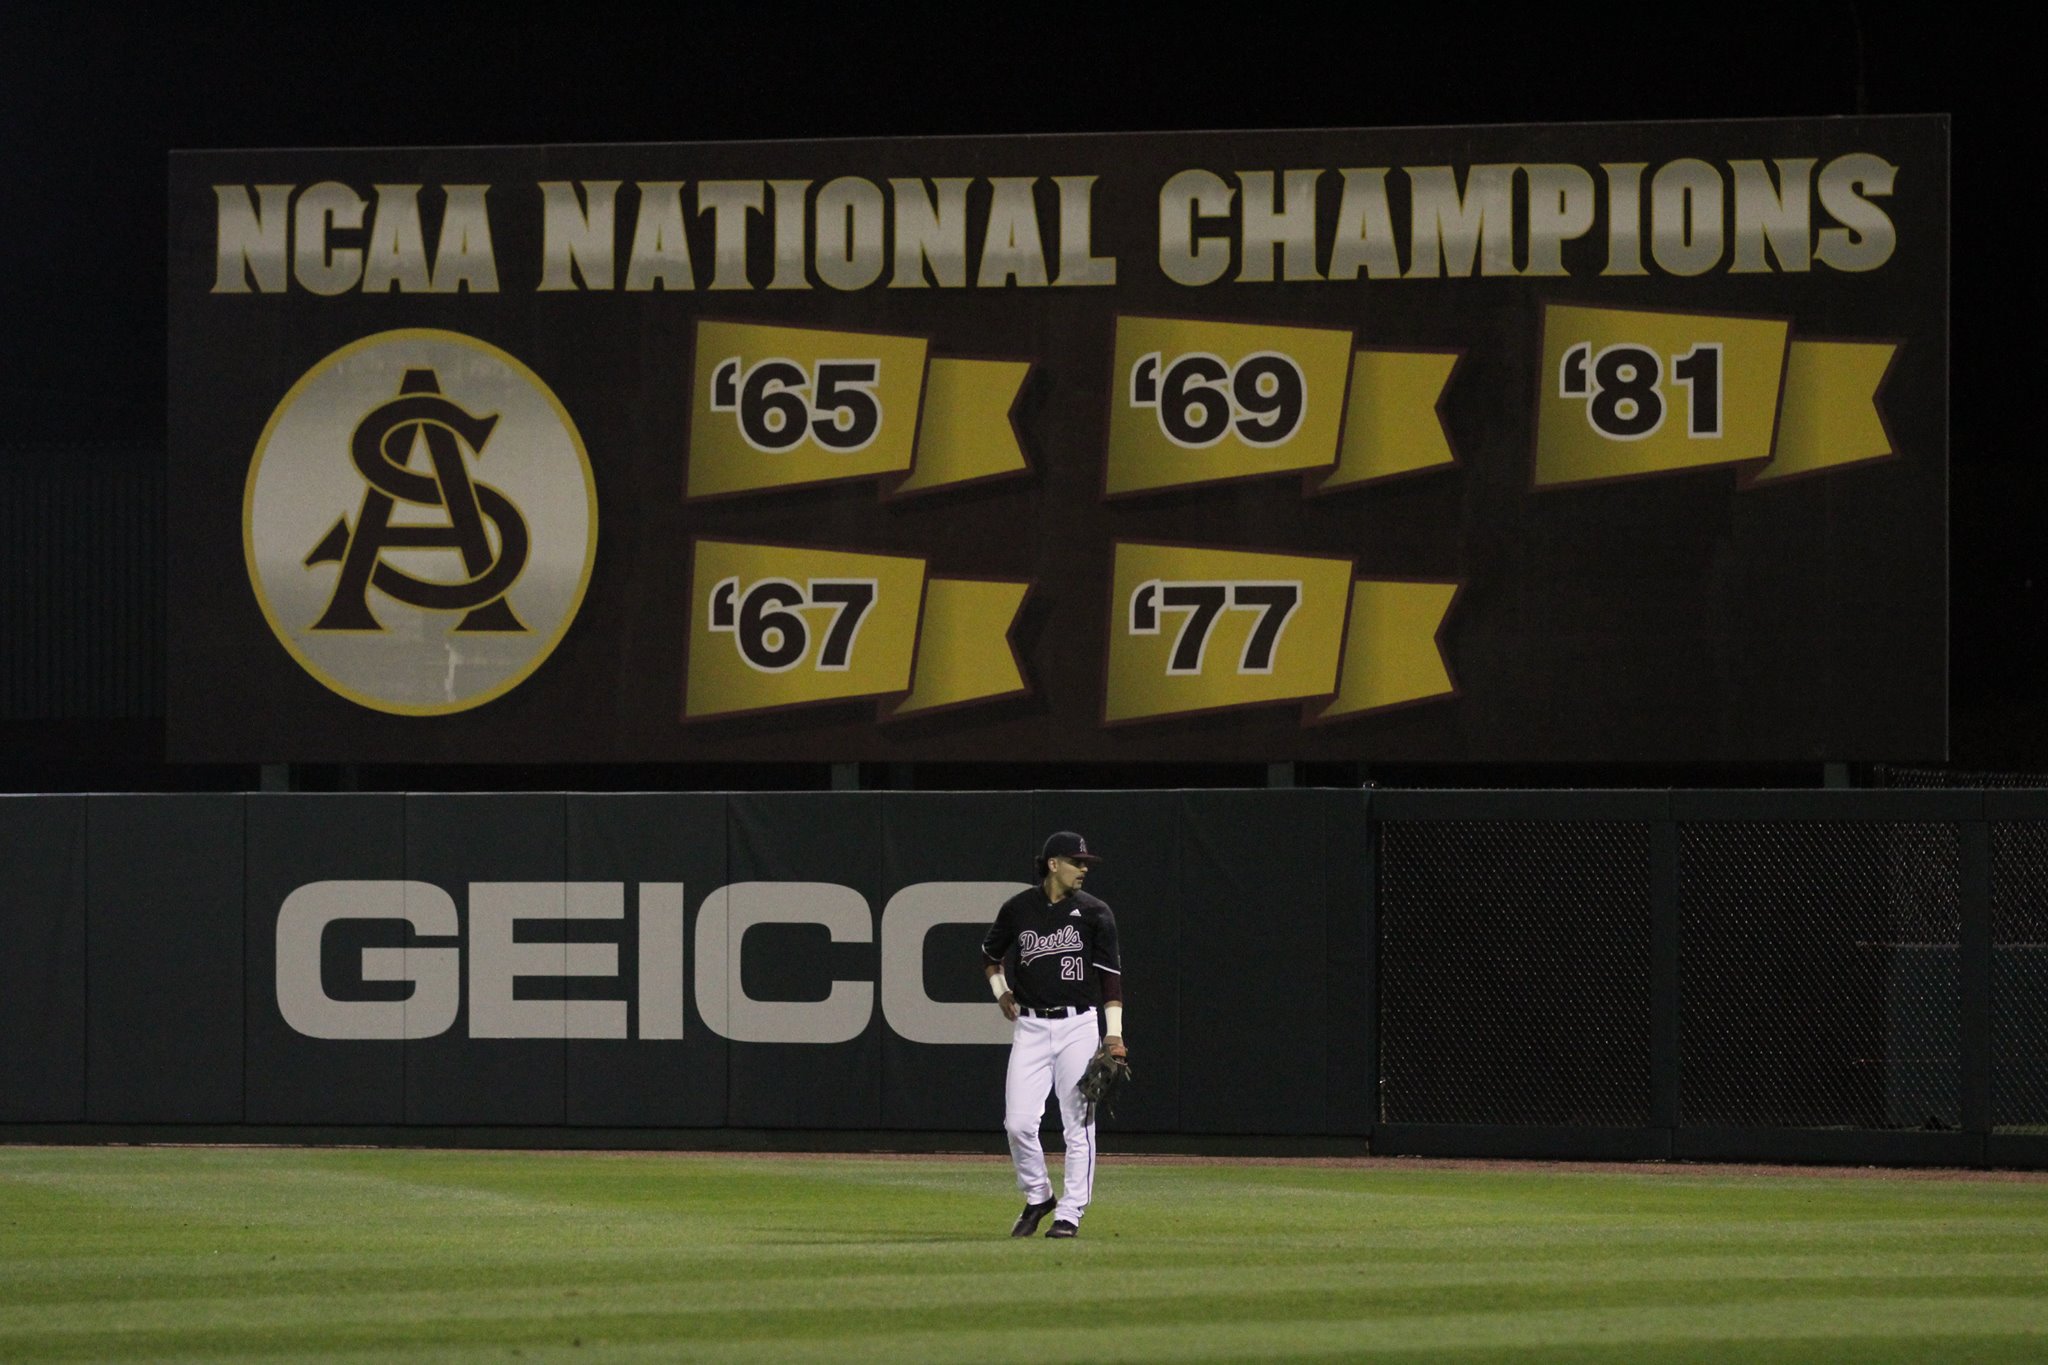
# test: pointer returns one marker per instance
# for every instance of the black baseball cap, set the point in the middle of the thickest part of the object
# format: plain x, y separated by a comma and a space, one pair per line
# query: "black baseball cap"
1066, 844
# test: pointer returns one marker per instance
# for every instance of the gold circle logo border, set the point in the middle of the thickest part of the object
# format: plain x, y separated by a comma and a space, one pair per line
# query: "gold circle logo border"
284, 636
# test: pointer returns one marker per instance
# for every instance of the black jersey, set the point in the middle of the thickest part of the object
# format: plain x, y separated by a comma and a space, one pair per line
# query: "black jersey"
1054, 950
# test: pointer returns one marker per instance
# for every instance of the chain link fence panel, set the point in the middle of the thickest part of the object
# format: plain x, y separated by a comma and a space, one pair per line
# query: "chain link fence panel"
1514, 976
1819, 975
2019, 976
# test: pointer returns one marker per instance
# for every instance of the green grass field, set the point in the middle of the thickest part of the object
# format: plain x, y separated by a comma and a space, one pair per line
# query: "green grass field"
239, 1254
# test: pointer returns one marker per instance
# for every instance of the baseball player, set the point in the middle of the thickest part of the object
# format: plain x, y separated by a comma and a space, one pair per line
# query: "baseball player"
1061, 943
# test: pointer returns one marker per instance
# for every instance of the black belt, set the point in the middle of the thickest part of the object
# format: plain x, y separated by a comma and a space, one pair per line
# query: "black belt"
1056, 1012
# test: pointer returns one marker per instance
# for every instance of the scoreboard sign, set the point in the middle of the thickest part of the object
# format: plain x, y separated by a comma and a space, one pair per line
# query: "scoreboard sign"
1577, 443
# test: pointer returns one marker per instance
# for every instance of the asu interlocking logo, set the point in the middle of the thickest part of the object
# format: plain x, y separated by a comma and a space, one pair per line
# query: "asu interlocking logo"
420, 522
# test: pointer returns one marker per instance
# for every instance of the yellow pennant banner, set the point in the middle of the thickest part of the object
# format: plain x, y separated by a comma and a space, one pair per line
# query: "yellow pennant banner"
964, 652
786, 407
1626, 393
1199, 402
1830, 415
1392, 425
1393, 650
775, 626
1196, 628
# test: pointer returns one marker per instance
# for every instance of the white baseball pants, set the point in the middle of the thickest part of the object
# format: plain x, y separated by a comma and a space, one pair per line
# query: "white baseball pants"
1051, 1054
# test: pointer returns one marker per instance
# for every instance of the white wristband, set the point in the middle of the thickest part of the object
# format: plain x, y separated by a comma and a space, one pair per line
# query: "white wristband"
1113, 1016
997, 984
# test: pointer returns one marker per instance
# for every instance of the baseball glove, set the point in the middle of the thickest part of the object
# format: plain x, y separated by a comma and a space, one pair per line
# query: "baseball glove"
1108, 1073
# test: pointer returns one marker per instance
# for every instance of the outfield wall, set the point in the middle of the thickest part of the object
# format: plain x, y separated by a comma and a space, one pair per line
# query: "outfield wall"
1835, 976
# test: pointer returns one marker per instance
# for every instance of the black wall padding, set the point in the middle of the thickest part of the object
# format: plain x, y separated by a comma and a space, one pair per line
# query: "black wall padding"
1138, 835
974, 838
164, 985
42, 970
650, 1078
1253, 903
453, 842
823, 837
295, 841
1350, 1041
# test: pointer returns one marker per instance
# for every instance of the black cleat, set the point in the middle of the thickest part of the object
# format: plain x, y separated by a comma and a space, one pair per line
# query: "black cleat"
1028, 1221
1062, 1228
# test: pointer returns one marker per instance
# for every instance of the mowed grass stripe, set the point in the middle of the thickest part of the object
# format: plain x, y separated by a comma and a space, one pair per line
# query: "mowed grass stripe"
1853, 1328
1318, 1289
217, 1254
798, 1309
